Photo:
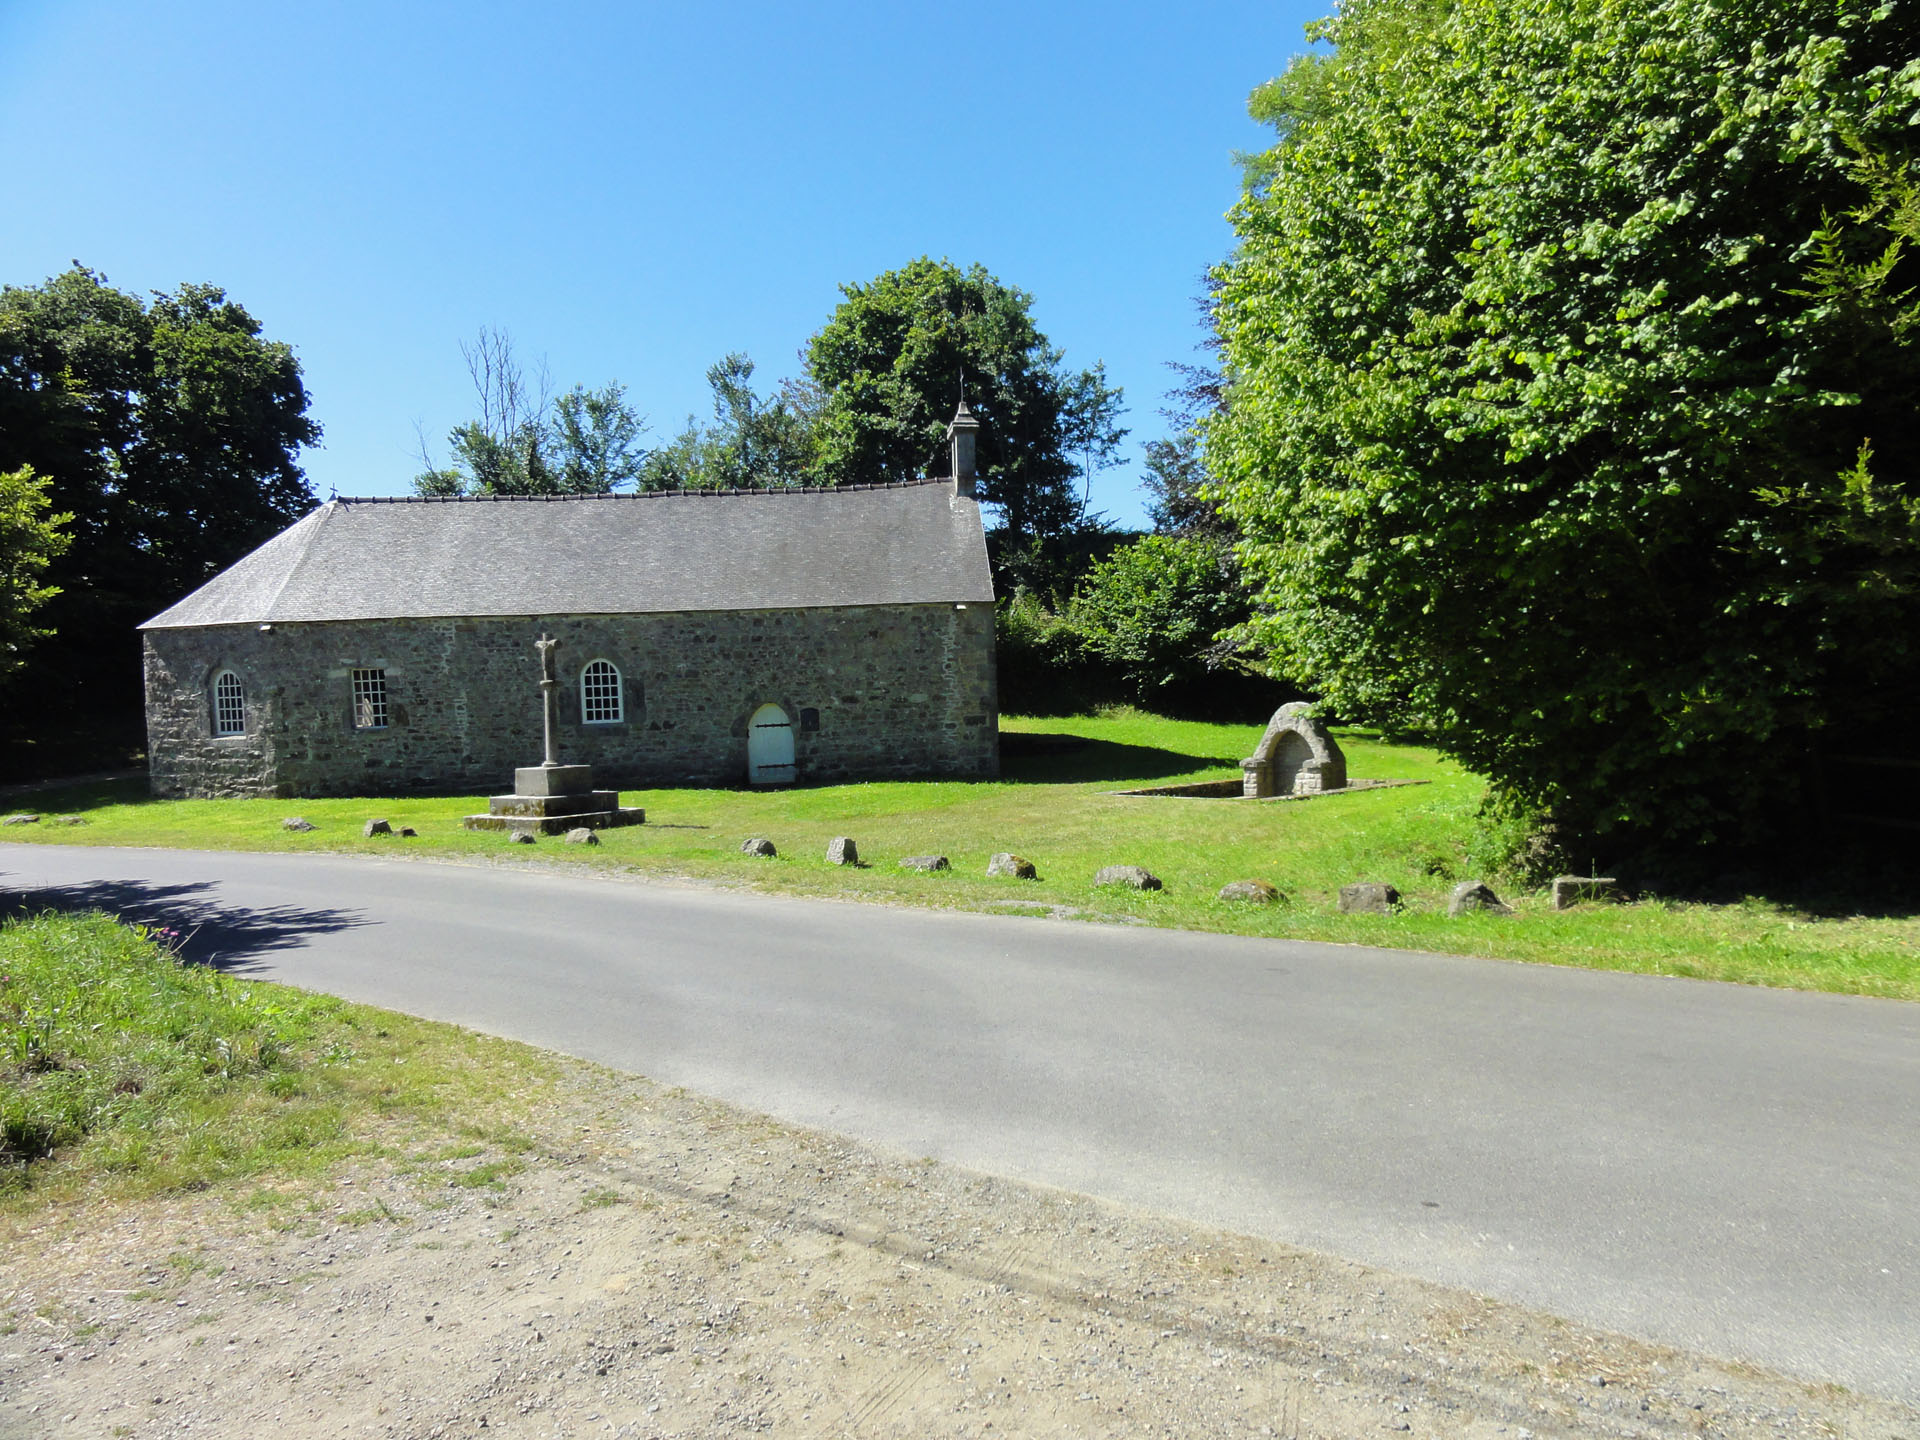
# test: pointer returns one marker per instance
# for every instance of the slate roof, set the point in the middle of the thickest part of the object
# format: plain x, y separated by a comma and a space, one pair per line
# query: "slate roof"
913, 543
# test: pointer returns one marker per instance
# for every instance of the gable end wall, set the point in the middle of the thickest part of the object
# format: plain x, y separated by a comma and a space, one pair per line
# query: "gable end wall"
900, 692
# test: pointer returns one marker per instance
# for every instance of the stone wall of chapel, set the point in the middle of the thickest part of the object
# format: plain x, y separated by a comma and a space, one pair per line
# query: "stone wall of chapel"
878, 692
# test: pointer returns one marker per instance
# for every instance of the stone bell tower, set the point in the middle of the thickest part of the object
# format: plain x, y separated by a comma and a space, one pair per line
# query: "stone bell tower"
961, 432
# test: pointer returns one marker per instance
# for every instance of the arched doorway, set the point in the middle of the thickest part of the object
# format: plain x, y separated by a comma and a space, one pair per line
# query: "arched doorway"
770, 747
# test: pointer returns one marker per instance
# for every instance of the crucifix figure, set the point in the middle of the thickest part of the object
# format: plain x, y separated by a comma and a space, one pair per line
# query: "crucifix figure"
549, 692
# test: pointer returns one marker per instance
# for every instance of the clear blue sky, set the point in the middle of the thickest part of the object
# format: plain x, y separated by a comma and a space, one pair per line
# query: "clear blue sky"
630, 190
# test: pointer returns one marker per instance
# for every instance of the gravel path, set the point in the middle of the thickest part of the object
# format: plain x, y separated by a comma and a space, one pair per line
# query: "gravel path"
667, 1265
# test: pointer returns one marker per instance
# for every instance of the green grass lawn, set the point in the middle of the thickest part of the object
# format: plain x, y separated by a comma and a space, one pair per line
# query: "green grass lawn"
1059, 810
124, 1072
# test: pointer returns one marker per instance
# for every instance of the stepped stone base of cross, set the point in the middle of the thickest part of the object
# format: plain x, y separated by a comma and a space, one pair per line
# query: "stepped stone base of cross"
553, 799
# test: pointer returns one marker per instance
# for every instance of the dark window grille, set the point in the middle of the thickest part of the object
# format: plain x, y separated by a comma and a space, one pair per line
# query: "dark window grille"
601, 702
229, 705
369, 699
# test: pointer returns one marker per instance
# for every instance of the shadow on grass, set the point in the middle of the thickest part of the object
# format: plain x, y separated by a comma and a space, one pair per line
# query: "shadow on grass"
76, 796
226, 937
1039, 758
1877, 889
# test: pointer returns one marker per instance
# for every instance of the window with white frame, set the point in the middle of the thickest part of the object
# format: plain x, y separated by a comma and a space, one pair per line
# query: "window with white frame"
601, 702
369, 699
229, 704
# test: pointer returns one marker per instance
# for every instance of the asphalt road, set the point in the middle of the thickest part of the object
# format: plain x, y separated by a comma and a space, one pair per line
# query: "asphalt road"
1727, 1169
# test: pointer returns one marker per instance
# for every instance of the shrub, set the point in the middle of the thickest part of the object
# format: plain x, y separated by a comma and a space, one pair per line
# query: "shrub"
1044, 665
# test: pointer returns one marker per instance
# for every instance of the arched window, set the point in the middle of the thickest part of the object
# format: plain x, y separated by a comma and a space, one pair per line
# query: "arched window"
229, 704
601, 701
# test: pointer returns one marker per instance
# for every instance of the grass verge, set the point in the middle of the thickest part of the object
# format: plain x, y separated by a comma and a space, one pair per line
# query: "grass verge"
1056, 804
124, 1072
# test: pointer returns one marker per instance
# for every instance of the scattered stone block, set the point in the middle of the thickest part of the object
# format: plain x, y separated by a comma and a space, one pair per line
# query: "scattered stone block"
1008, 866
1253, 892
1470, 895
1570, 890
408, 830
758, 845
68, 820
581, 835
520, 837
925, 862
842, 851
1369, 897
21, 820
298, 824
375, 827
1131, 876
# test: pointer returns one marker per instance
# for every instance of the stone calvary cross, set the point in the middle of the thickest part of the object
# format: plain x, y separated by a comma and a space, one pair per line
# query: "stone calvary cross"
549, 695
551, 798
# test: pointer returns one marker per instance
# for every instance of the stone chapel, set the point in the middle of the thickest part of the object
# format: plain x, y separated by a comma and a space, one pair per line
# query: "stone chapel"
706, 638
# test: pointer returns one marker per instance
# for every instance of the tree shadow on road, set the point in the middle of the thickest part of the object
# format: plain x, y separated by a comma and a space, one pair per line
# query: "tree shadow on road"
231, 938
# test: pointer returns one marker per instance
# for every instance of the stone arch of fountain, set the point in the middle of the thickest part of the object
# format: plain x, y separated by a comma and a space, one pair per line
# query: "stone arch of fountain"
1296, 756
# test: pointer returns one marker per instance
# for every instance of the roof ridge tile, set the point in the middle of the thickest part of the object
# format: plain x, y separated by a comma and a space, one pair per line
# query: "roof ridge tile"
664, 494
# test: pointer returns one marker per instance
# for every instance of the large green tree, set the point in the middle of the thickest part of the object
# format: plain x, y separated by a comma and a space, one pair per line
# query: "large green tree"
892, 361
1571, 380
30, 539
169, 430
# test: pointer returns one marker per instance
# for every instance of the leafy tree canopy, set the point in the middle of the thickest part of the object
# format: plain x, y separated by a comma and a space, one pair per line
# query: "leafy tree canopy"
1154, 610
754, 441
889, 366
1177, 489
1314, 84
526, 441
169, 430
1571, 391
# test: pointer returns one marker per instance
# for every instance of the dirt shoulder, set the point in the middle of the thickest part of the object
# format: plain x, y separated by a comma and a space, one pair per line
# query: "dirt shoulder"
666, 1265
